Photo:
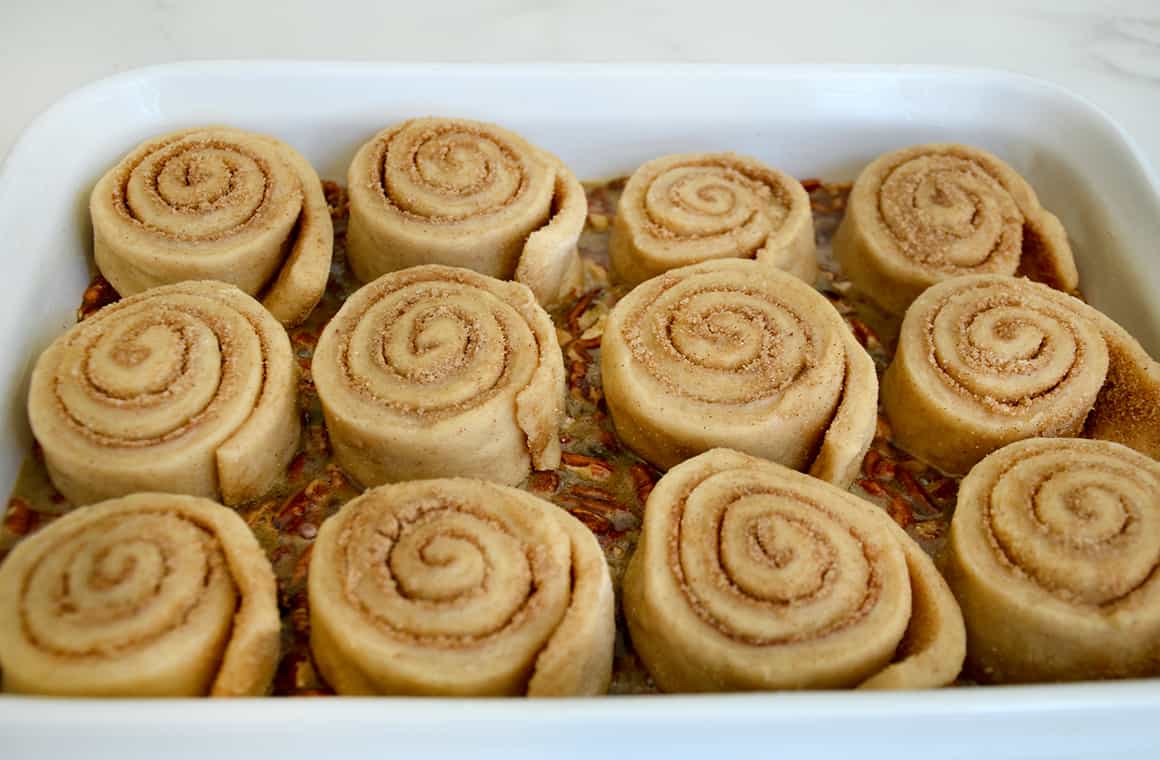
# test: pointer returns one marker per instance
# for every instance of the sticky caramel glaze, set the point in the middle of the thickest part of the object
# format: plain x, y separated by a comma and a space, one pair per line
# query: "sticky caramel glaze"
598, 481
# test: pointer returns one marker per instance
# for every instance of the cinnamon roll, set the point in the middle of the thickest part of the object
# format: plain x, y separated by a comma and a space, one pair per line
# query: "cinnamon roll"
148, 595
459, 587
466, 194
922, 214
216, 203
191, 388
435, 371
685, 209
749, 575
985, 360
736, 353
1053, 554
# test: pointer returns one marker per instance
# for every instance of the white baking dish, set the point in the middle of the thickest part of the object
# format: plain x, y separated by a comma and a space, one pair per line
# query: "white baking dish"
602, 120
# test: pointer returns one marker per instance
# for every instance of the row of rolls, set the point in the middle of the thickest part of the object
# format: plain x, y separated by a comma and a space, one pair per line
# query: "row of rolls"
442, 385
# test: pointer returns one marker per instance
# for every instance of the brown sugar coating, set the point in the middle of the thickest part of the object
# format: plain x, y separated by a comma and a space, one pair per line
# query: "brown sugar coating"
1053, 554
750, 575
737, 353
922, 214
457, 587
147, 595
188, 388
216, 203
439, 371
985, 360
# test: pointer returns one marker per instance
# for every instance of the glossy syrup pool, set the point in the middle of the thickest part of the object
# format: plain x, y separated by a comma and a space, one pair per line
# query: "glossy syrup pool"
599, 481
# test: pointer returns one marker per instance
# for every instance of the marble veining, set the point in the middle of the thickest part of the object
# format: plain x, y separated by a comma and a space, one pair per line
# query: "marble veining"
1107, 52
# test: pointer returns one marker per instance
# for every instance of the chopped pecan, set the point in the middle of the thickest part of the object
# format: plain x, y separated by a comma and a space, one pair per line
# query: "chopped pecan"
917, 493
930, 530
336, 199
864, 334
884, 469
877, 466
596, 522
337, 477
588, 467
294, 469
581, 306
588, 343
99, 293
294, 509
643, 480
592, 494
900, 511
302, 566
293, 512
19, 518
578, 353
544, 481
871, 487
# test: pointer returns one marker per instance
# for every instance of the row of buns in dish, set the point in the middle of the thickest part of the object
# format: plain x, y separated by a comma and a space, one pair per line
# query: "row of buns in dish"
722, 364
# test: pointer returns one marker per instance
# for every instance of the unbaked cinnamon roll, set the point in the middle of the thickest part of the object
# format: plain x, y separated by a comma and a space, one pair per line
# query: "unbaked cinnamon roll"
736, 353
749, 575
985, 360
145, 596
216, 203
436, 371
1053, 554
466, 194
191, 388
460, 587
922, 214
685, 209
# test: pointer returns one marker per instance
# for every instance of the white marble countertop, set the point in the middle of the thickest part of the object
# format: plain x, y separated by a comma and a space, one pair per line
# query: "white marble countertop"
1108, 52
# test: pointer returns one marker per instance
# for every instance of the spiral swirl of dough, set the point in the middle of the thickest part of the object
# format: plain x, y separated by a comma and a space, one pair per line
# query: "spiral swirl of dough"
189, 387
749, 575
216, 204
460, 587
685, 209
985, 360
467, 194
920, 215
736, 353
1054, 555
438, 371
147, 595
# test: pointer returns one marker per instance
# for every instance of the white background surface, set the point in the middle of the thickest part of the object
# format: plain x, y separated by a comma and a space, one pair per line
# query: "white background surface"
1108, 52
